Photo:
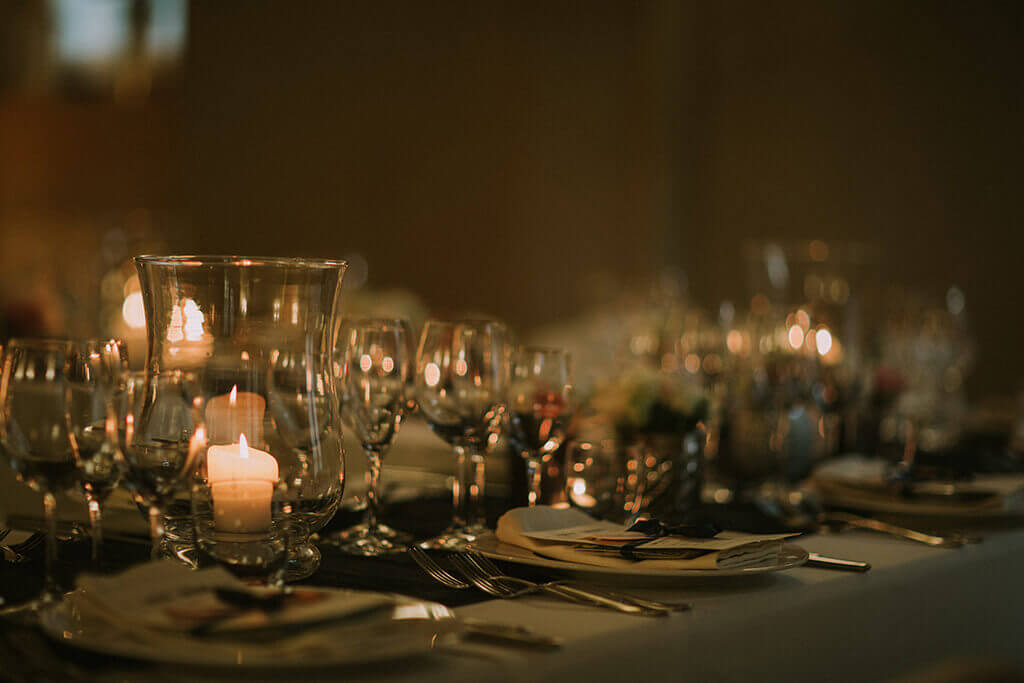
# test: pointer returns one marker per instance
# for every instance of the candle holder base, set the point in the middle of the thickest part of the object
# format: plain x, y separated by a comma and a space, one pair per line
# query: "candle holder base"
303, 561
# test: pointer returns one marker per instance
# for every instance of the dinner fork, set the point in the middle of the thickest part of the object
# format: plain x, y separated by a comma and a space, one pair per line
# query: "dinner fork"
845, 519
427, 564
436, 572
489, 567
508, 587
447, 579
19, 553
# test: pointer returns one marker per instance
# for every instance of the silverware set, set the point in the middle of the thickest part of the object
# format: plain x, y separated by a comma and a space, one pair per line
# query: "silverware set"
480, 572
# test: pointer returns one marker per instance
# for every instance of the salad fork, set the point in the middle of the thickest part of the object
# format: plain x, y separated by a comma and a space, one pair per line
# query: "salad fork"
507, 587
489, 567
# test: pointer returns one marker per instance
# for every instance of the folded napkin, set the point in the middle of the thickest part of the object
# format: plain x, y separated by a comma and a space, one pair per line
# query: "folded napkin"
168, 596
572, 536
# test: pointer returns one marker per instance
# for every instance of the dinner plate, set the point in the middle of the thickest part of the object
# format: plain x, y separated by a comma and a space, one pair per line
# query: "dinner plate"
488, 544
410, 629
861, 483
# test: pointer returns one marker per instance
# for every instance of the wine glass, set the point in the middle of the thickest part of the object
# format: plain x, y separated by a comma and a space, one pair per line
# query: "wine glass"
164, 429
540, 405
373, 362
95, 372
461, 380
34, 430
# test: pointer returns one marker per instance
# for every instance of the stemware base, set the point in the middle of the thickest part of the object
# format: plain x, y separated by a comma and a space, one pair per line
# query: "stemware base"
303, 561
362, 540
451, 539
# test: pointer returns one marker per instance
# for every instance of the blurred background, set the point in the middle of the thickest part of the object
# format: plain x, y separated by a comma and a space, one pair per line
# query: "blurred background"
530, 160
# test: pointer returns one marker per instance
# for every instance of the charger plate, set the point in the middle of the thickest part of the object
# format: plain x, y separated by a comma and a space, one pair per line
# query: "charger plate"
409, 629
488, 545
861, 483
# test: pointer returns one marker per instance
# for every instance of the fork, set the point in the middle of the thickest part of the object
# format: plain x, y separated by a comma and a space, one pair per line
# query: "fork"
845, 519
486, 565
488, 568
498, 586
508, 587
427, 564
19, 553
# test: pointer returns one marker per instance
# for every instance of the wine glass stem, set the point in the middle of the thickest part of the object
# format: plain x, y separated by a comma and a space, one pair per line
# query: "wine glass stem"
50, 516
475, 513
459, 489
533, 476
156, 531
373, 458
95, 526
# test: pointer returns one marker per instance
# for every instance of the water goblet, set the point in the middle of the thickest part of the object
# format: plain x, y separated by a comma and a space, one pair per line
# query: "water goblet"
373, 363
96, 372
461, 381
540, 406
34, 431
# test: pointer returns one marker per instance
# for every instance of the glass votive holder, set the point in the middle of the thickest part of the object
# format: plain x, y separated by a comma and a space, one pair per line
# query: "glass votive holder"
240, 522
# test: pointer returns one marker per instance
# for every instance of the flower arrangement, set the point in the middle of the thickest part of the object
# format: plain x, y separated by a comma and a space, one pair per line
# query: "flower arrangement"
647, 400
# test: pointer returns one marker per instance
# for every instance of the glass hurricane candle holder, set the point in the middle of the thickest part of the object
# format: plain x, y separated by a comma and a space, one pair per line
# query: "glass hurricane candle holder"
257, 334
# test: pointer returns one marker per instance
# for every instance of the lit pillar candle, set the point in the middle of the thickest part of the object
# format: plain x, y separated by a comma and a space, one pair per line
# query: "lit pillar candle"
238, 412
242, 483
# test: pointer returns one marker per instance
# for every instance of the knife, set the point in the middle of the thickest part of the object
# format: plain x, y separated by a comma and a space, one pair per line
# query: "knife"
822, 562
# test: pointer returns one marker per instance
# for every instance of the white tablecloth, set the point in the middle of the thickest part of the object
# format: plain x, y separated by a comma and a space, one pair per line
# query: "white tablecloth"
918, 606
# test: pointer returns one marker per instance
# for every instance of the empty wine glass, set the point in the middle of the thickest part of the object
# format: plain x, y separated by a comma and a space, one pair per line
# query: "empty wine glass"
540, 405
372, 372
95, 372
163, 431
461, 380
34, 430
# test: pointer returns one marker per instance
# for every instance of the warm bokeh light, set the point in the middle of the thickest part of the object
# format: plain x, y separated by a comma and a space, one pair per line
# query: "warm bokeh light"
823, 340
431, 374
734, 341
796, 336
692, 363
133, 311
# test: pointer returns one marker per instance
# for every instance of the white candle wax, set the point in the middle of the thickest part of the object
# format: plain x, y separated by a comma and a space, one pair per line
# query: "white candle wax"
234, 413
242, 483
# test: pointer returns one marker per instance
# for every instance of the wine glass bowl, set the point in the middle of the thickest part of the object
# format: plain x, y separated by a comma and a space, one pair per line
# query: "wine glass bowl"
96, 372
372, 369
34, 429
461, 380
540, 407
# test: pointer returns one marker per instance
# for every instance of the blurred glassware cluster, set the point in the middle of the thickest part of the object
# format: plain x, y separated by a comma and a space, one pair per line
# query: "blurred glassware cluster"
822, 361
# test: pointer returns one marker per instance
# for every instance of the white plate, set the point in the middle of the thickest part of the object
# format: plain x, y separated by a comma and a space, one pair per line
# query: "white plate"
489, 545
410, 630
860, 483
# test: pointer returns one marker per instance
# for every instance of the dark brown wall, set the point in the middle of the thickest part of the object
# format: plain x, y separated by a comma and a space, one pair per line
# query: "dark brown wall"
487, 155
493, 155
897, 123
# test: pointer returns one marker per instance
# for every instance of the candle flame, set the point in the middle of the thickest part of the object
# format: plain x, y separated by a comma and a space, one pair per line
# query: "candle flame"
243, 447
234, 395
